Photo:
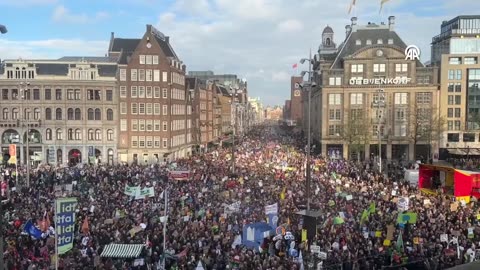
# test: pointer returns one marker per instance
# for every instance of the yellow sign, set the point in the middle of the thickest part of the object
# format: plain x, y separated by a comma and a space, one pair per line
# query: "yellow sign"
378, 234
386, 242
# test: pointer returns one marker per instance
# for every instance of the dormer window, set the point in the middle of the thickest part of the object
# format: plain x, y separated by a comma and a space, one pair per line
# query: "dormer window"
390, 41
358, 42
369, 42
380, 41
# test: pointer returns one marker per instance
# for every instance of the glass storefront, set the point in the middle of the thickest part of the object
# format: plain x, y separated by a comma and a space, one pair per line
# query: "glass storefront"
473, 94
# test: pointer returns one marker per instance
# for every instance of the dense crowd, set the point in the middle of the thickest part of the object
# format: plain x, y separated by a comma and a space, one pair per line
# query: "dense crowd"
359, 227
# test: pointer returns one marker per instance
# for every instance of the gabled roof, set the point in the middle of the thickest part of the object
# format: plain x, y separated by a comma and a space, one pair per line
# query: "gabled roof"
124, 44
166, 48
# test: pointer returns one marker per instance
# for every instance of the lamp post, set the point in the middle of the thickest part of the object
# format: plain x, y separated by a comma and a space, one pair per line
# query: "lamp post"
24, 87
308, 88
380, 102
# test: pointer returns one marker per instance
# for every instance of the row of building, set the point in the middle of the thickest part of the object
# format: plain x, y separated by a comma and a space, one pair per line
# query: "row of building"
373, 94
136, 104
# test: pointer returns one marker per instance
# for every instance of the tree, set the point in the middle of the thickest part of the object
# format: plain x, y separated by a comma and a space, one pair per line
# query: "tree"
356, 131
426, 125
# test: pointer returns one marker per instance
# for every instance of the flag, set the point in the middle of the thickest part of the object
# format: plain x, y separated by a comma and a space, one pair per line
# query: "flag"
399, 244
32, 230
351, 6
338, 221
371, 208
183, 253
294, 66
381, 4
407, 217
85, 226
364, 217
199, 266
282, 195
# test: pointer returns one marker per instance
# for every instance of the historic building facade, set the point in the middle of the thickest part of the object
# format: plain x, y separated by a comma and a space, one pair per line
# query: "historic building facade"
155, 123
69, 107
369, 94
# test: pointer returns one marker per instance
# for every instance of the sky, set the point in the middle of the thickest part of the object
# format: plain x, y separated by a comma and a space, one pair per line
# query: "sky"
258, 40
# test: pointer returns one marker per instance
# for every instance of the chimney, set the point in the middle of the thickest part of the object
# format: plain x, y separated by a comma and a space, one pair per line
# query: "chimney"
391, 23
348, 30
354, 24
149, 28
112, 35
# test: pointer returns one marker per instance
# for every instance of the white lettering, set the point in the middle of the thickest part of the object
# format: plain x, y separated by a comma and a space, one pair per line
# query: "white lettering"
396, 81
365, 81
352, 81
377, 81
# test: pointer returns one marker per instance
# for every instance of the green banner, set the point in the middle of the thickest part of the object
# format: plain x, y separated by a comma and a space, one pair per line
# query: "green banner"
65, 223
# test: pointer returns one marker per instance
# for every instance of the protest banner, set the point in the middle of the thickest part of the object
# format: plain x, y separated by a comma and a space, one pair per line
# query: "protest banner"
180, 175
65, 224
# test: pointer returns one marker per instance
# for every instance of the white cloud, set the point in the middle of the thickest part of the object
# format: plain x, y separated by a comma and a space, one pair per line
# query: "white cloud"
290, 26
62, 14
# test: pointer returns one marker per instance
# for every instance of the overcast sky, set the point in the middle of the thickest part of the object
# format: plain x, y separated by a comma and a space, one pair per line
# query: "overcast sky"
258, 40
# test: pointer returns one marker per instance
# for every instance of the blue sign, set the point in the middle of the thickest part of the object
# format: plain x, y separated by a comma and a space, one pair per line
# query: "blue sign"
65, 223
254, 233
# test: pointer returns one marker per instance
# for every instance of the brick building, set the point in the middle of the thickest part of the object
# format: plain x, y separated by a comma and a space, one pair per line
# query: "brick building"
296, 111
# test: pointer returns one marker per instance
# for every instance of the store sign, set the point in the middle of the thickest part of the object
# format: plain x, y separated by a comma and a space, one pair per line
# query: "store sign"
412, 52
379, 81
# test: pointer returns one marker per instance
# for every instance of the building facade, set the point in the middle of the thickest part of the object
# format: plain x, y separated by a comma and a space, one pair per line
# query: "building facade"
370, 94
456, 51
69, 107
296, 110
155, 119
202, 112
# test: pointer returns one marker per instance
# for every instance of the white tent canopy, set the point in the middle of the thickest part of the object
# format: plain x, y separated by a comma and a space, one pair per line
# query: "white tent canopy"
122, 250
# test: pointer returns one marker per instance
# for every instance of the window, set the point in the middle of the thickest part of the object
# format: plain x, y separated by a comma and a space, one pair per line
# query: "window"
451, 99
156, 125
156, 142
451, 87
453, 137
165, 126
141, 92
98, 135
358, 68
70, 114
457, 112
133, 75
91, 135
165, 76
378, 68
141, 75
48, 114
390, 41
78, 134
165, 143
400, 130
149, 125
401, 67
379, 41
148, 59
469, 137
78, 114
141, 125
58, 114
401, 98
5, 94
156, 108
335, 114
450, 112
109, 135
459, 74
70, 134
148, 92
134, 108
109, 95
134, 125
123, 91
458, 100
141, 108
458, 87
457, 125
369, 42
123, 74
358, 42
36, 94
149, 75
141, 141
70, 94
5, 114
334, 130
400, 114
123, 124
149, 110
156, 92
164, 93
356, 99
109, 115
155, 59
134, 141
451, 74
334, 99
470, 61
156, 75
142, 59
423, 98
48, 134
98, 114
149, 141
58, 94
78, 94
59, 134
165, 110
123, 108
454, 60
335, 81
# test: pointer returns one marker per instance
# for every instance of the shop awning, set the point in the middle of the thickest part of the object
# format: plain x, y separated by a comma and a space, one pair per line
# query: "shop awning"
456, 152
122, 250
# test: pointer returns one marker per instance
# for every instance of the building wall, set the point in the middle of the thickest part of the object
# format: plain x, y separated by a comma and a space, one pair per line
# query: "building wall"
296, 110
225, 102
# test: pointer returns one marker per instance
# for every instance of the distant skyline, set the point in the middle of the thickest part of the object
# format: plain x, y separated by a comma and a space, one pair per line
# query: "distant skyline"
258, 40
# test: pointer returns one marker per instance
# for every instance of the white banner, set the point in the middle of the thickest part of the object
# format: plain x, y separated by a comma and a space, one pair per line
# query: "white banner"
271, 209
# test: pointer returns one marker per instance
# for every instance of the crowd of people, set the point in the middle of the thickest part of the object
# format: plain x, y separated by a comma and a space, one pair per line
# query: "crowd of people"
368, 220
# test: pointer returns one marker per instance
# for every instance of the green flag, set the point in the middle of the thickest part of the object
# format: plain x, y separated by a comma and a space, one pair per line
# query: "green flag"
371, 208
338, 221
407, 217
364, 216
399, 242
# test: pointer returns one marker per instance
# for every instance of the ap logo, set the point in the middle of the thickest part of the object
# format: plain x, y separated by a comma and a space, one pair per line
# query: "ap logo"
412, 52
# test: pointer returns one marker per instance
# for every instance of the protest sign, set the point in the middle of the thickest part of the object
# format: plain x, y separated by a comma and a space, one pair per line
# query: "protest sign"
65, 223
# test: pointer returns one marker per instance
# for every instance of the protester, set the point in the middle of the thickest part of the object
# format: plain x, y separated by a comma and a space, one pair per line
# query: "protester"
207, 212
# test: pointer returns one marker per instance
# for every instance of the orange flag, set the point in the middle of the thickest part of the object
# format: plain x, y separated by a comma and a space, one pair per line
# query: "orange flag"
85, 227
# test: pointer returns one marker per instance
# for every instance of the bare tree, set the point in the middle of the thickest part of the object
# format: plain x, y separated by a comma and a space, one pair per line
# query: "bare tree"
426, 126
356, 131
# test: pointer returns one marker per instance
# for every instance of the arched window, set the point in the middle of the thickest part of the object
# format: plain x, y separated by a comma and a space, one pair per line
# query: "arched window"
17, 73
48, 134
110, 115
78, 134
59, 134
327, 42
70, 134
14, 113
78, 114
36, 113
109, 135
48, 114
98, 114
58, 114
26, 114
91, 135
70, 115
24, 73
5, 114
98, 135
90, 115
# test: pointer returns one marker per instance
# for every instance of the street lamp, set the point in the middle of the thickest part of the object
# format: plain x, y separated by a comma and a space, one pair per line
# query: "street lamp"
380, 102
308, 86
24, 87
3, 29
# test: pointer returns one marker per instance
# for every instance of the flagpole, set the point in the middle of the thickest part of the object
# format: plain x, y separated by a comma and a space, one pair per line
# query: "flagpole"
56, 234
165, 228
